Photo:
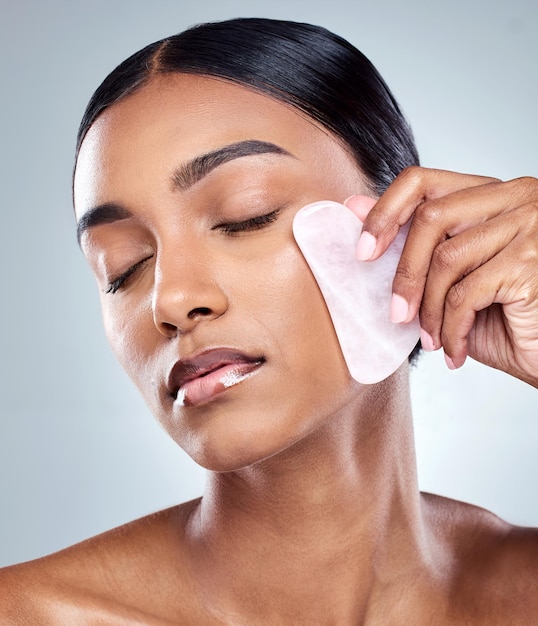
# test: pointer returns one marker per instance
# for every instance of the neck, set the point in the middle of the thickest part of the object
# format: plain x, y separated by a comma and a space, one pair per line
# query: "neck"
342, 505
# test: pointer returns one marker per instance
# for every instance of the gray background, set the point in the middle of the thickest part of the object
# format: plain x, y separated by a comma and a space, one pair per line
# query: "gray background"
79, 452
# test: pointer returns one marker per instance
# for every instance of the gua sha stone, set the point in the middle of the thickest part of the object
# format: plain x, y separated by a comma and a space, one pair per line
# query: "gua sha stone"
357, 293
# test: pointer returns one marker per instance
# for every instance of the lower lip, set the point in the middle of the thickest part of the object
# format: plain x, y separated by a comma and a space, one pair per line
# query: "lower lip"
204, 388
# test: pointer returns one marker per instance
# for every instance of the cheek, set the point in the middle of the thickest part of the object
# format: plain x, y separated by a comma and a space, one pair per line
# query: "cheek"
130, 333
275, 306
297, 320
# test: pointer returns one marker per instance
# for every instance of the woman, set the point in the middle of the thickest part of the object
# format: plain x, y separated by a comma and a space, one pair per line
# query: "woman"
193, 158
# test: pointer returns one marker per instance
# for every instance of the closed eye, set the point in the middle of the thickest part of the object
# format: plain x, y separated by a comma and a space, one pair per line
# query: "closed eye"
117, 283
253, 223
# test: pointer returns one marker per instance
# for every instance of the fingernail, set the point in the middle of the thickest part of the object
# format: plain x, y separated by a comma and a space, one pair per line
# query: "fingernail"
426, 341
399, 309
449, 362
347, 200
366, 246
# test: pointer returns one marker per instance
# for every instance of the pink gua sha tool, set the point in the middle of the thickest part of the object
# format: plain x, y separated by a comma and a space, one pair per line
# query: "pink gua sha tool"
357, 293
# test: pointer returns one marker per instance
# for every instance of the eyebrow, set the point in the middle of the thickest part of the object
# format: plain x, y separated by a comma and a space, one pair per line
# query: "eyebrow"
102, 214
192, 172
183, 178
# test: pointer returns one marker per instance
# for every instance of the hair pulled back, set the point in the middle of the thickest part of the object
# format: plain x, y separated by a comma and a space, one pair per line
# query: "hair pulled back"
305, 66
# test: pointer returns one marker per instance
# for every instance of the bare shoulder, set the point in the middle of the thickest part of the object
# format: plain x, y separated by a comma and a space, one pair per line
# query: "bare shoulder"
493, 564
122, 576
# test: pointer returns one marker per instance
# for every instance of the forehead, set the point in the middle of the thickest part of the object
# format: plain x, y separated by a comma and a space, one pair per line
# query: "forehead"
177, 117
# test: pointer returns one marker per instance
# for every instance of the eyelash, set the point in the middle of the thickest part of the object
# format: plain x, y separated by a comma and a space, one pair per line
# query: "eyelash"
231, 228
253, 223
117, 283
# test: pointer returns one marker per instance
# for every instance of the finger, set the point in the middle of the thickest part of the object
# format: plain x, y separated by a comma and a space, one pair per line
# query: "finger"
437, 221
454, 259
410, 189
473, 294
360, 205
509, 279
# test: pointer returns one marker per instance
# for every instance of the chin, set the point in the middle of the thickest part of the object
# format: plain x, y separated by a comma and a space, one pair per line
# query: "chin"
228, 456
232, 439
254, 421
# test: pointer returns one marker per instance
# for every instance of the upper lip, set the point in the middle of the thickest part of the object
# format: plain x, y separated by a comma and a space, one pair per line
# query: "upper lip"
204, 363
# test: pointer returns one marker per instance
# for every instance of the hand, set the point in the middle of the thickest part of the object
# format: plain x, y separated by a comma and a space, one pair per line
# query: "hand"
469, 267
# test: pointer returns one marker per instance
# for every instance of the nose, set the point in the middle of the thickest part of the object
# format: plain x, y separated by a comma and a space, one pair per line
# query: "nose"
185, 294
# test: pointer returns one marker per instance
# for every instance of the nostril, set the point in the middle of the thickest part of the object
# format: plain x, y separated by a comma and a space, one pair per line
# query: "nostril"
168, 329
199, 311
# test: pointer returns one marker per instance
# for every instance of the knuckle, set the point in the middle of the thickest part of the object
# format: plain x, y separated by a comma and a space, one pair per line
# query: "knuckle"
429, 319
412, 175
456, 295
387, 228
406, 281
445, 256
526, 242
379, 222
528, 254
526, 182
428, 214
524, 187
404, 274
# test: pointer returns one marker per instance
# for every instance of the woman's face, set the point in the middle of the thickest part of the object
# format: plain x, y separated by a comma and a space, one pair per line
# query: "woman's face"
207, 300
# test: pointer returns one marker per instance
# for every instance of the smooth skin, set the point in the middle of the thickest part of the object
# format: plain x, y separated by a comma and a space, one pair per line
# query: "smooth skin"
312, 513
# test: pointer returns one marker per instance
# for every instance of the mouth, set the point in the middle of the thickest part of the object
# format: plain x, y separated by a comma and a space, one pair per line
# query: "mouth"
199, 379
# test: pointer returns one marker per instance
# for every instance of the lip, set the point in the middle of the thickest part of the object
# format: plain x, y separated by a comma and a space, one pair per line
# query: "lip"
198, 379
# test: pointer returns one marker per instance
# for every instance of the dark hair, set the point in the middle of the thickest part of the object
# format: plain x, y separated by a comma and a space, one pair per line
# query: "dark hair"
305, 66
